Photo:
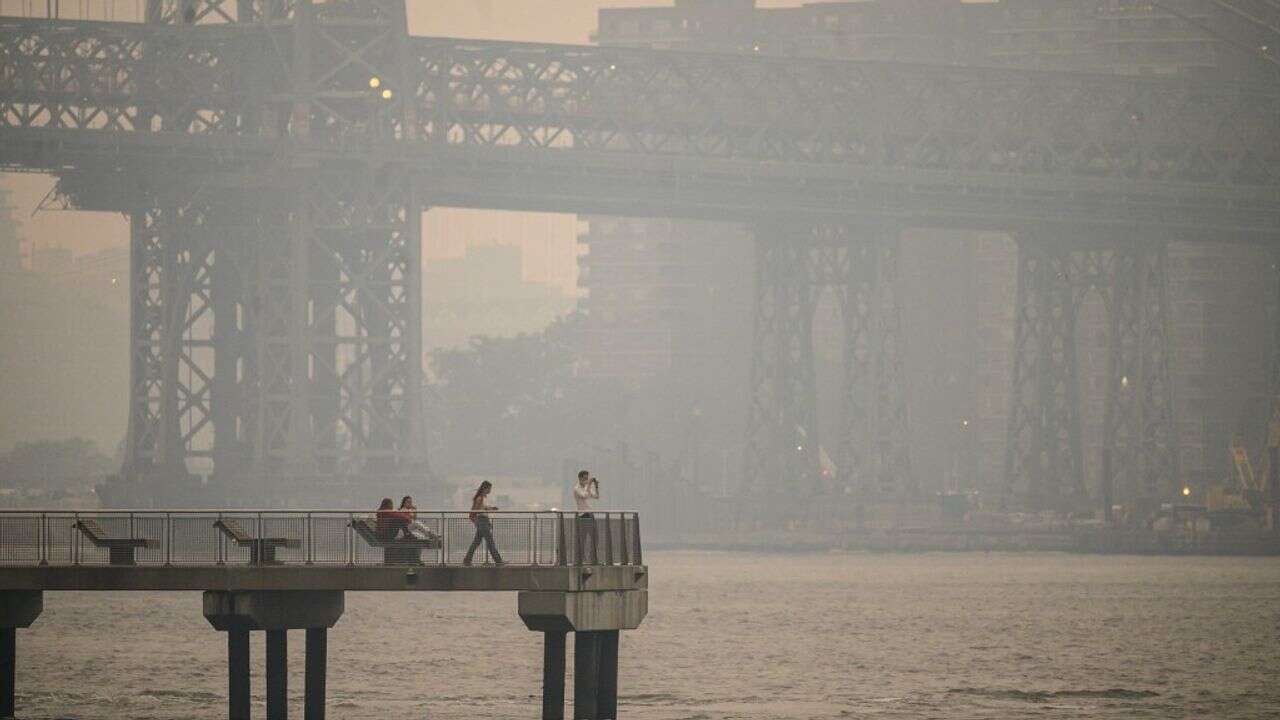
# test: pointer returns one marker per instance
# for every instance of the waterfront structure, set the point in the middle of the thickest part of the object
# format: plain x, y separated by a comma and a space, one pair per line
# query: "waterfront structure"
276, 269
276, 571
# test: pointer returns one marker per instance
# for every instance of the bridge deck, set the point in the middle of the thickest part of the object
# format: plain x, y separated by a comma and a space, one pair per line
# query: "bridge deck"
587, 129
314, 550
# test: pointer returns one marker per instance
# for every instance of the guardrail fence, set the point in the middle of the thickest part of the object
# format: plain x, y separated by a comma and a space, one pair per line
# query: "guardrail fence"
310, 537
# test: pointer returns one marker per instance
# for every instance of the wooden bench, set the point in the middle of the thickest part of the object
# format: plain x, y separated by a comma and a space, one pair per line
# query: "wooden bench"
120, 549
400, 551
262, 550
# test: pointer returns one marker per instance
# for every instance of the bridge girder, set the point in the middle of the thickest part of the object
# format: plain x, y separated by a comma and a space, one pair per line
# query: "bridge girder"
663, 133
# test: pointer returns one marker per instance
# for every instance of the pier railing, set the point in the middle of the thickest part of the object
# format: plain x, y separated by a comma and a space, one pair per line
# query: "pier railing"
307, 537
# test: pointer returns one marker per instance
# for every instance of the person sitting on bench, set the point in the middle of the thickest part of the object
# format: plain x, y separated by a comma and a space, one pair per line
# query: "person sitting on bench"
392, 522
414, 530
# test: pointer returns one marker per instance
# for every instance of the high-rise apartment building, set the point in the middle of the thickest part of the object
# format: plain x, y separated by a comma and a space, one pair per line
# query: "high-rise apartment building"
669, 302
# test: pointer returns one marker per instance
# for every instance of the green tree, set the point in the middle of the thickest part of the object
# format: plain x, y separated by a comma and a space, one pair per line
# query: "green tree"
516, 405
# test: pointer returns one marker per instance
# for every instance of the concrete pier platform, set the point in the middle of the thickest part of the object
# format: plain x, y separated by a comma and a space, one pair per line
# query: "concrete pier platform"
300, 581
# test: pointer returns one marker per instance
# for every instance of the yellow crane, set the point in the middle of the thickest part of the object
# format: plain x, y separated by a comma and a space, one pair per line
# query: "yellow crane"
1250, 486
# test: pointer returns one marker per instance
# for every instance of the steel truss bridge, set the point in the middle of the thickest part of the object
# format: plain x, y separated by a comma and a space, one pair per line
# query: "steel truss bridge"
275, 156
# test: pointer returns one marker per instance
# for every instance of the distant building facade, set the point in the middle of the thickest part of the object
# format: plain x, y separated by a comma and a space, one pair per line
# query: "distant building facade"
672, 299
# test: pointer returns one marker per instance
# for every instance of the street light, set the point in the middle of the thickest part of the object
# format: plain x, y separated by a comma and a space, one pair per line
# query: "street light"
375, 82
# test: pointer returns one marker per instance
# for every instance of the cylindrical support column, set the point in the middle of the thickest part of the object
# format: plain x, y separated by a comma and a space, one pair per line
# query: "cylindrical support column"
607, 690
586, 675
553, 675
277, 675
317, 648
238, 674
8, 670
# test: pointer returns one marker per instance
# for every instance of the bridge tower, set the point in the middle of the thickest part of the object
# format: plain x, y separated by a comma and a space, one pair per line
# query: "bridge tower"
1044, 456
795, 263
276, 321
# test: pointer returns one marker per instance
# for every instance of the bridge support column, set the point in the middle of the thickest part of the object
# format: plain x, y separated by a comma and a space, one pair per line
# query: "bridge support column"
553, 666
595, 618
782, 418
317, 660
275, 612
1044, 457
607, 682
1043, 454
586, 675
238, 674
18, 609
795, 263
1139, 431
277, 675
872, 451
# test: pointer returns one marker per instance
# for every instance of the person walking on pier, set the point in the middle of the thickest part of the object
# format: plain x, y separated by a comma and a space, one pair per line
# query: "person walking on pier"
484, 526
587, 489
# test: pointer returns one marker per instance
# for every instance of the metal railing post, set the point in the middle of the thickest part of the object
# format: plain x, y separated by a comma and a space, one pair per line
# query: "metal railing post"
168, 543
311, 550
220, 548
561, 559
639, 547
622, 535
444, 540
351, 541
608, 538
537, 544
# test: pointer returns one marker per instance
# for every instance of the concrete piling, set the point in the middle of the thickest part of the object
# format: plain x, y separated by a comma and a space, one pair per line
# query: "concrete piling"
238, 674
18, 609
553, 667
607, 684
317, 659
277, 675
275, 612
595, 619
586, 675
8, 670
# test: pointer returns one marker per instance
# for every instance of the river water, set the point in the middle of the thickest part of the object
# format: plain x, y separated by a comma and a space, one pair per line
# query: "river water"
735, 635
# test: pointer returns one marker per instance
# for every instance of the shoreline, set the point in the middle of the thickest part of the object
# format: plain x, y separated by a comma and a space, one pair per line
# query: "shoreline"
959, 540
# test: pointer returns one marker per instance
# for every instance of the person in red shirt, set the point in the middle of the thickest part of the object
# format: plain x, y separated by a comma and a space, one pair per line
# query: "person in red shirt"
392, 521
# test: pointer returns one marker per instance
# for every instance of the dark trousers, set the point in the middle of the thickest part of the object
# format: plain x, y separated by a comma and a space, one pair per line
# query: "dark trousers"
484, 531
586, 532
